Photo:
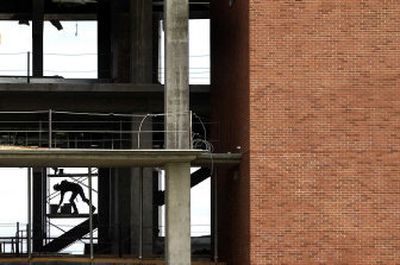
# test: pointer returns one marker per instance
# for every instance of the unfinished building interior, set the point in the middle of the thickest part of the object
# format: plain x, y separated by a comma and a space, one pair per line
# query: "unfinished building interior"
121, 130
288, 116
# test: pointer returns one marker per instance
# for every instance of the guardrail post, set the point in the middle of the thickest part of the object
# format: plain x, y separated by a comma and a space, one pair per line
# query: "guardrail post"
28, 226
17, 239
90, 212
28, 68
50, 128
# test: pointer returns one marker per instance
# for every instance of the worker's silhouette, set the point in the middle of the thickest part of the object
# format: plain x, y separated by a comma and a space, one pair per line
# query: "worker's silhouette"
76, 190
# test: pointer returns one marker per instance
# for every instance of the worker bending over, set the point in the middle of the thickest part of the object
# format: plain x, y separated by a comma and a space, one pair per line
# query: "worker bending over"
76, 189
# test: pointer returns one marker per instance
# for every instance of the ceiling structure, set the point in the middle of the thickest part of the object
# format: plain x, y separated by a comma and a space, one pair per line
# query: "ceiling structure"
84, 9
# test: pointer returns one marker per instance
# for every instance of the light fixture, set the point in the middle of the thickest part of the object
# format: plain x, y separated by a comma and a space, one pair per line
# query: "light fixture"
231, 2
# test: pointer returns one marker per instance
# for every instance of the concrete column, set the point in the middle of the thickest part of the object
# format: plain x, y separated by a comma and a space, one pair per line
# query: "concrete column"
177, 134
178, 214
178, 249
177, 74
141, 41
39, 208
104, 39
37, 37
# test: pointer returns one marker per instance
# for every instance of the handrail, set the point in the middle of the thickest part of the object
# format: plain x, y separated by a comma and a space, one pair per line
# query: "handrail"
48, 129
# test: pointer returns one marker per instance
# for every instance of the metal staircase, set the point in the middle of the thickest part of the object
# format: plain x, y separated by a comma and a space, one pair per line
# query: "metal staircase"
70, 236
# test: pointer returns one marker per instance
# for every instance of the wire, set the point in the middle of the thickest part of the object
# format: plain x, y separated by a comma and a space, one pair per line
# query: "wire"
208, 146
14, 53
97, 114
71, 54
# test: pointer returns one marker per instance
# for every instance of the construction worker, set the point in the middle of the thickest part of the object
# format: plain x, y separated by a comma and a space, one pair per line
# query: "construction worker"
76, 190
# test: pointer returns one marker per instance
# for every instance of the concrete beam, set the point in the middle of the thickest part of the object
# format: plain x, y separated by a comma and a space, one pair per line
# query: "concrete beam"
109, 158
208, 159
93, 158
64, 17
82, 86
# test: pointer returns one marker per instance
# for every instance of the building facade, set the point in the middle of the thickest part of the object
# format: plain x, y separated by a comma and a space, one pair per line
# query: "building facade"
311, 96
303, 111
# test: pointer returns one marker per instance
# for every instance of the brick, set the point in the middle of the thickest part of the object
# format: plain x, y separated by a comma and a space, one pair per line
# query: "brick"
309, 90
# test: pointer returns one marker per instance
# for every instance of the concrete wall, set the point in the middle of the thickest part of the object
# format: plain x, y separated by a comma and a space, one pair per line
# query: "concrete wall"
324, 134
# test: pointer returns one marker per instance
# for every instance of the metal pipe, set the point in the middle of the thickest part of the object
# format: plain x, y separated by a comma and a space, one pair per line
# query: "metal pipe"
17, 239
50, 128
90, 213
28, 228
28, 240
28, 68
140, 129
48, 201
215, 217
22, 241
141, 213
191, 129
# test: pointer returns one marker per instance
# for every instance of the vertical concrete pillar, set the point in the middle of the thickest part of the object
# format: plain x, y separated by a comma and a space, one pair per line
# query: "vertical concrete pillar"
178, 214
141, 41
177, 74
177, 134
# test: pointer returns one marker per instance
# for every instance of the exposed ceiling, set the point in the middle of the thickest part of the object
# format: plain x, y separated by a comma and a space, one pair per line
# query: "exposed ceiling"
73, 9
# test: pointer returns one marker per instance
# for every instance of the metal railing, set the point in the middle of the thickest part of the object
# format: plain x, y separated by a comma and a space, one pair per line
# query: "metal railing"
16, 242
13, 238
89, 130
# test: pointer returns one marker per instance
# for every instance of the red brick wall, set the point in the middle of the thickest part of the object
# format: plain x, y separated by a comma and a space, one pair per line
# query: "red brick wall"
324, 132
230, 100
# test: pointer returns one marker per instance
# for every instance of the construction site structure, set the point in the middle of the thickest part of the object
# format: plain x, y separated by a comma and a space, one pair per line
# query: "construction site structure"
125, 130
